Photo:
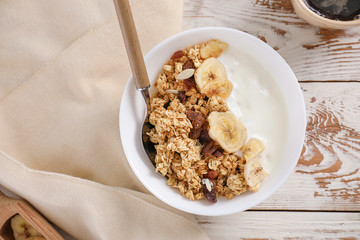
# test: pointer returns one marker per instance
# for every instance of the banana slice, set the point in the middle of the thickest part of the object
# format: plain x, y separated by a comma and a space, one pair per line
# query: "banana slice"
252, 148
227, 130
23, 230
222, 89
212, 48
254, 173
211, 79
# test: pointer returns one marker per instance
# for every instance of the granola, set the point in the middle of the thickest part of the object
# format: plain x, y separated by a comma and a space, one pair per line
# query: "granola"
195, 156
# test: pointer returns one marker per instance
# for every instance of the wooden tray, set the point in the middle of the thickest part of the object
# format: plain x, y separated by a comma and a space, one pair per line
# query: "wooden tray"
9, 207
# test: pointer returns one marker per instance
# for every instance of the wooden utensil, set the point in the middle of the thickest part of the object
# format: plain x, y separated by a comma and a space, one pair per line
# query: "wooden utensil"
132, 44
138, 67
10, 207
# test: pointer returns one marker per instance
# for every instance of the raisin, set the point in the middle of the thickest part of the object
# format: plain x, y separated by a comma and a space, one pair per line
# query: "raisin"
197, 121
196, 118
177, 55
189, 83
209, 190
218, 153
182, 96
212, 174
188, 64
209, 149
204, 136
195, 133
191, 115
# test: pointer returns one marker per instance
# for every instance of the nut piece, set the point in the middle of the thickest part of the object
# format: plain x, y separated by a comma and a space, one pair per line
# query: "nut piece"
173, 91
209, 190
185, 74
212, 48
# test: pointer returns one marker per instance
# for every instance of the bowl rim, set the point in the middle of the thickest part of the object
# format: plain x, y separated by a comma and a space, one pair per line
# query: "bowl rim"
304, 12
301, 109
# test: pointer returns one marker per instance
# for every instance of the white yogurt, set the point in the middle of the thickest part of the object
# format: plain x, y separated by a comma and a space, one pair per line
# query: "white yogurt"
258, 102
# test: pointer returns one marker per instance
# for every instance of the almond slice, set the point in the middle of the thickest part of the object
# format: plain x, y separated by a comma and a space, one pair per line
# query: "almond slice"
174, 91
185, 74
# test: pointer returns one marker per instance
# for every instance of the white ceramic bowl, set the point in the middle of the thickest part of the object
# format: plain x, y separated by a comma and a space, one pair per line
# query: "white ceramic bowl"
306, 14
132, 111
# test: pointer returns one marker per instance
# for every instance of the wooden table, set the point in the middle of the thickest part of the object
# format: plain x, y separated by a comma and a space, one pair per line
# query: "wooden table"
321, 199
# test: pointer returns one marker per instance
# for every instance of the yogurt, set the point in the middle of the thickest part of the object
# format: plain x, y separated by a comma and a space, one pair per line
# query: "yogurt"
257, 101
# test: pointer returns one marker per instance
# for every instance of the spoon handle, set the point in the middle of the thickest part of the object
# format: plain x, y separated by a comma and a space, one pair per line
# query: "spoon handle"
132, 44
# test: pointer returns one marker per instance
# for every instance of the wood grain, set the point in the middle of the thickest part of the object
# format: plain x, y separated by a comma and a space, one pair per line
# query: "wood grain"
314, 54
282, 225
321, 199
132, 43
327, 176
10, 207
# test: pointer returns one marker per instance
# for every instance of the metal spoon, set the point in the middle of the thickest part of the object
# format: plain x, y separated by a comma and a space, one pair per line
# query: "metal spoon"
138, 68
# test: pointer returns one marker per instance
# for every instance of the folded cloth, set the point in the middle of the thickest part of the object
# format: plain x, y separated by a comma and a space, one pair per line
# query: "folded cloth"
63, 68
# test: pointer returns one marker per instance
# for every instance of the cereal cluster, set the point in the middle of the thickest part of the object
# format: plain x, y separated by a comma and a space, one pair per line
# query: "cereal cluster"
184, 152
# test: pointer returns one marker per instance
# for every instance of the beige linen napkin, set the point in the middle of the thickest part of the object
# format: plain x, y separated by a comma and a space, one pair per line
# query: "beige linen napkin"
63, 68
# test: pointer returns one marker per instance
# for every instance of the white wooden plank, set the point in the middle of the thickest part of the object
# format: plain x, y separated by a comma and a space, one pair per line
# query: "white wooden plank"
327, 176
282, 225
313, 53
